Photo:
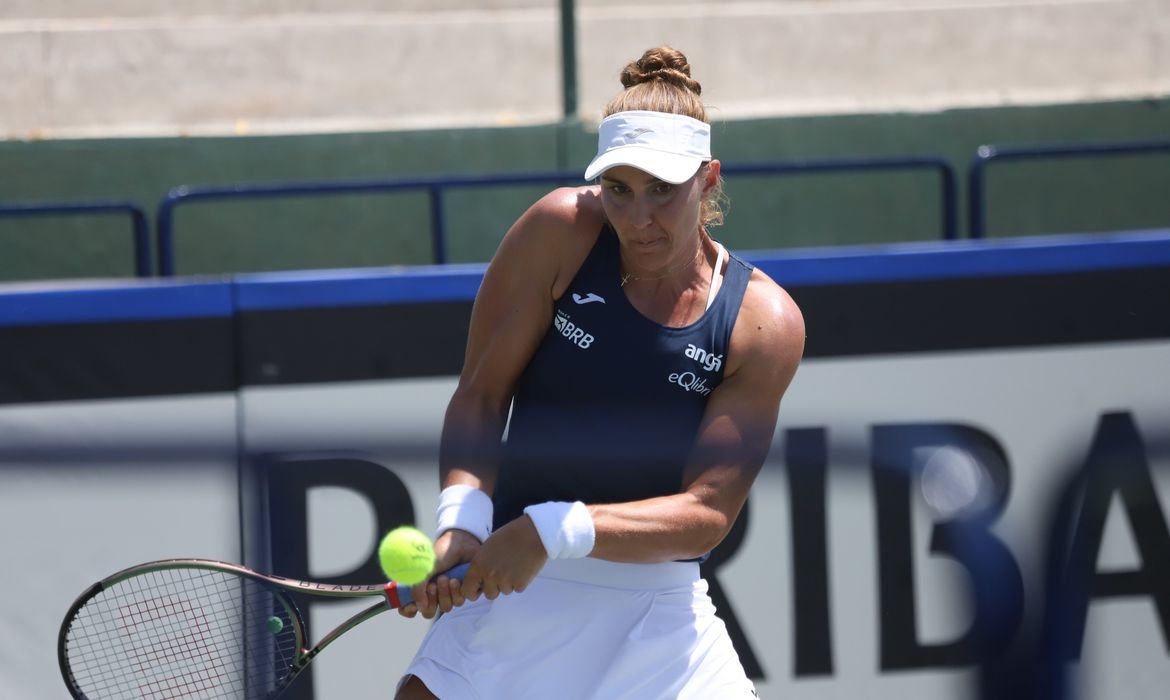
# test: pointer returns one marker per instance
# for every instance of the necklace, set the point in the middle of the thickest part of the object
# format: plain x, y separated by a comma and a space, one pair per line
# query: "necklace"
627, 277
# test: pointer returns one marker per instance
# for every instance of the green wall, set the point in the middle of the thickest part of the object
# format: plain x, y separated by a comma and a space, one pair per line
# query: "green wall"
1071, 195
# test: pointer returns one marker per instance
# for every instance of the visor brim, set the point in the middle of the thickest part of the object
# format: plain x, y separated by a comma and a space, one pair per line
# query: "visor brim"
668, 167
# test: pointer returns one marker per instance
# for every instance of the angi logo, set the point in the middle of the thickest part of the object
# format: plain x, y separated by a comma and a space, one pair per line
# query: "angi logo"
710, 362
568, 329
590, 297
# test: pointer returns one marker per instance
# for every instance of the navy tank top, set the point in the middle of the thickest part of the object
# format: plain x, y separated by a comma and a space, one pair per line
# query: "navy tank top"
609, 406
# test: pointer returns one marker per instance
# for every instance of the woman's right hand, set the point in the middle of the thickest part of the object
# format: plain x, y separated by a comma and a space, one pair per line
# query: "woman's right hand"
454, 547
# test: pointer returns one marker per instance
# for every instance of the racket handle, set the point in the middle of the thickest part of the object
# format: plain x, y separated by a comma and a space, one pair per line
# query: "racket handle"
401, 596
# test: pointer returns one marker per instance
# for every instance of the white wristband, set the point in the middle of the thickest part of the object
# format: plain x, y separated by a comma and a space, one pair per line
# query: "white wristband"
565, 529
463, 507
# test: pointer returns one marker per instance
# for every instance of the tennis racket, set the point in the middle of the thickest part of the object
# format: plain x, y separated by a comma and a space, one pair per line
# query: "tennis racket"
196, 628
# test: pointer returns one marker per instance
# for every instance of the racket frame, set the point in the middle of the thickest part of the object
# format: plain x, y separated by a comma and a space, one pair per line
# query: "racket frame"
392, 596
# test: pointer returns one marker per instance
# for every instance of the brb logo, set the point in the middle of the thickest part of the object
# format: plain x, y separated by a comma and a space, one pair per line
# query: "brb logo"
710, 361
567, 328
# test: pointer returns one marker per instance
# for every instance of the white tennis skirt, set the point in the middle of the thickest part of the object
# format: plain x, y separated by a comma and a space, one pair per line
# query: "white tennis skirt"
587, 629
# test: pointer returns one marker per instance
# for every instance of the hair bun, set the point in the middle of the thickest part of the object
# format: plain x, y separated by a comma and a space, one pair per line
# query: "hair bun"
662, 63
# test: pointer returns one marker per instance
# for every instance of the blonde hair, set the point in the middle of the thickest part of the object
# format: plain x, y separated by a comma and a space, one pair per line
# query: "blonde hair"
660, 81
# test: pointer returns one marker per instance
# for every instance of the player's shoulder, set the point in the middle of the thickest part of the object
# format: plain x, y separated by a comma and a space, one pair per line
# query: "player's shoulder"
766, 299
557, 231
565, 211
770, 322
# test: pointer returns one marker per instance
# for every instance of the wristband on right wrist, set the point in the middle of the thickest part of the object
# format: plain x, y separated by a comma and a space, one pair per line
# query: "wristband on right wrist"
565, 529
463, 507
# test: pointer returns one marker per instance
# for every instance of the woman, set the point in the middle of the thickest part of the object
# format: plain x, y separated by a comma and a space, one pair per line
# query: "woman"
643, 367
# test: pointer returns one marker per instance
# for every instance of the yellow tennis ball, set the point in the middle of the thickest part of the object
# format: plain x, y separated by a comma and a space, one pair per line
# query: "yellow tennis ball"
406, 555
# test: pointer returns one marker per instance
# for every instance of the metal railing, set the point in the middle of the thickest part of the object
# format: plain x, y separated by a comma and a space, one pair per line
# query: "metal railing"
984, 155
948, 183
138, 218
436, 187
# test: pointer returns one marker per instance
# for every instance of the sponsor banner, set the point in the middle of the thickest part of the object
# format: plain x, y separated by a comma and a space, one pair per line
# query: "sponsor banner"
964, 418
847, 574
836, 581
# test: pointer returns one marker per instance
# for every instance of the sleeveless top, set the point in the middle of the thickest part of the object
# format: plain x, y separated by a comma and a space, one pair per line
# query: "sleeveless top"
609, 406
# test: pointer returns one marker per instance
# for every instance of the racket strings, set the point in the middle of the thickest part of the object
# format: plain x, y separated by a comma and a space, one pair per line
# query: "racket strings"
182, 633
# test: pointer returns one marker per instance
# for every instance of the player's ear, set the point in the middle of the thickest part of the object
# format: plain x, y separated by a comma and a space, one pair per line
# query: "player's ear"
710, 174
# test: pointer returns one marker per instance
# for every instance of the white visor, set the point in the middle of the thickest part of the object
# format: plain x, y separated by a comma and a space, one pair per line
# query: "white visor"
670, 147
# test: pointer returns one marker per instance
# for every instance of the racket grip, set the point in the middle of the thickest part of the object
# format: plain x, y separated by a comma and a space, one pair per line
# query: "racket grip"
401, 596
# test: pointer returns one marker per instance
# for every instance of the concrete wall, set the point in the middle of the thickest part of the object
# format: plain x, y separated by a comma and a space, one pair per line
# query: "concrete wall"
134, 67
282, 90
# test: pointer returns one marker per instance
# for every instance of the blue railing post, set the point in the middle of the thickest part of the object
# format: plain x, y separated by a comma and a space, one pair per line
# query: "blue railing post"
976, 215
142, 266
438, 226
164, 231
950, 201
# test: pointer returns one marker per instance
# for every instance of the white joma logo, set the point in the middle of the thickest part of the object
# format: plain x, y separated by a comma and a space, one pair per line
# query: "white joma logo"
590, 297
633, 134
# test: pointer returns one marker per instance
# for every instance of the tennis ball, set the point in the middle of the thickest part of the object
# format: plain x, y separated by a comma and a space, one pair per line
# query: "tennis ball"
406, 555
275, 624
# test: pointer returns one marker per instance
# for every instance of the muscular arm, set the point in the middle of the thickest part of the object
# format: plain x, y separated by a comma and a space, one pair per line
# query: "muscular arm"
734, 437
512, 311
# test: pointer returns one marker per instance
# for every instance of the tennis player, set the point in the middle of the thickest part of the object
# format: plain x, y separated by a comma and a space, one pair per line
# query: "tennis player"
644, 367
